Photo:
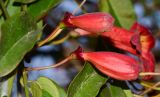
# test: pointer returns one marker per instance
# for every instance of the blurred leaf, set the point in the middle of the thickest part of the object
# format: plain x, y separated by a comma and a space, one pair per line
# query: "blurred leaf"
5, 4
115, 91
103, 92
13, 9
41, 7
25, 1
46, 94
87, 83
35, 89
62, 92
10, 85
17, 38
122, 11
104, 6
128, 93
26, 88
50, 88
150, 85
6, 86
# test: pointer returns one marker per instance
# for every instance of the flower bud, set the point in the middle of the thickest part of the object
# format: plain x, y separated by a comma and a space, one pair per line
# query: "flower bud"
115, 65
92, 22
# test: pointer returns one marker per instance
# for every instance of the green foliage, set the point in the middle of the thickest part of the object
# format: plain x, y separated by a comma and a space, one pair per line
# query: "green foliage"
18, 36
122, 11
35, 89
41, 7
12, 9
45, 87
115, 91
87, 83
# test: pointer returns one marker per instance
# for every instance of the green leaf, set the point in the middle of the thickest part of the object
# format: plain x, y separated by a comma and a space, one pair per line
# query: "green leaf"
35, 89
124, 14
103, 92
13, 9
26, 88
116, 91
18, 36
128, 93
87, 83
46, 94
50, 87
104, 6
25, 1
122, 11
41, 7
6, 86
10, 84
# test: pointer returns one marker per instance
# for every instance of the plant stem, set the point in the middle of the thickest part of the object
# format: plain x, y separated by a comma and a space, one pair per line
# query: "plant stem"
24, 7
25, 84
149, 73
55, 33
5, 12
60, 40
52, 66
148, 90
79, 6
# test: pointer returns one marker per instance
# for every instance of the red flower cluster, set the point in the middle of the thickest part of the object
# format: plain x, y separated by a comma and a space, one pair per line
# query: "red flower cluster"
138, 41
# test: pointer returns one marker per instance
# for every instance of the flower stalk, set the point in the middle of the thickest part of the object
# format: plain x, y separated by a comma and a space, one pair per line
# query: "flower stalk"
51, 66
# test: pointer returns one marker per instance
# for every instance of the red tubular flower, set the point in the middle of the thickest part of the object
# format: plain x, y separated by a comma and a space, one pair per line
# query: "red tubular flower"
146, 39
115, 65
147, 43
123, 39
148, 62
92, 22
82, 32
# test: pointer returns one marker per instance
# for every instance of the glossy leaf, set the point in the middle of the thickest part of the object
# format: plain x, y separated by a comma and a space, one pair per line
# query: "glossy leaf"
18, 36
50, 87
35, 89
124, 15
87, 83
41, 7
24, 1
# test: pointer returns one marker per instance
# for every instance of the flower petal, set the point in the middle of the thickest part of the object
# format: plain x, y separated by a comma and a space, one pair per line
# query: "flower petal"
115, 65
92, 22
123, 39
148, 62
